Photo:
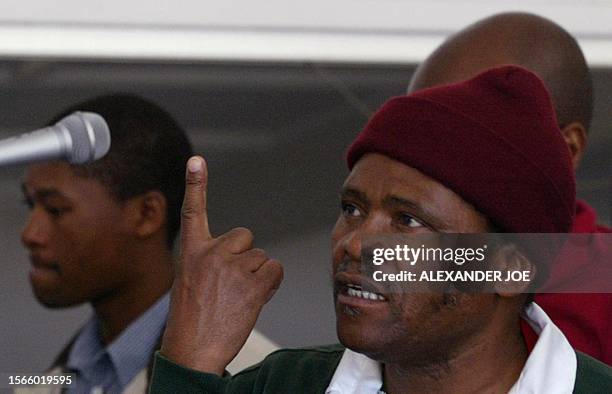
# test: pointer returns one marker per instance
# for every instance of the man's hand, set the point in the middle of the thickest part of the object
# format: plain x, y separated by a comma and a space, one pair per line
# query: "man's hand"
220, 286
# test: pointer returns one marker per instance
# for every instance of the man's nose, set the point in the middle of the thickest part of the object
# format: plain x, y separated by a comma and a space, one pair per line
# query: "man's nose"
352, 245
35, 232
354, 241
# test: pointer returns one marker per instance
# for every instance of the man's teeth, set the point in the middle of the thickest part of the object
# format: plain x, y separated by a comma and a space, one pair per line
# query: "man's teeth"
354, 292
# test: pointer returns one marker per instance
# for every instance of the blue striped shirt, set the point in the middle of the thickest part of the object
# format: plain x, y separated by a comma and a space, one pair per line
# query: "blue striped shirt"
111, 368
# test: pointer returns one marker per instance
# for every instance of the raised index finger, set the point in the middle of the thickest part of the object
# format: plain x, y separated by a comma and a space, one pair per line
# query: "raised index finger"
194, 222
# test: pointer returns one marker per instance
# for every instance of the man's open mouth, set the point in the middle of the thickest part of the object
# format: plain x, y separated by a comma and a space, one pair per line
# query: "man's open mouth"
354, 290
359, 291
354, 286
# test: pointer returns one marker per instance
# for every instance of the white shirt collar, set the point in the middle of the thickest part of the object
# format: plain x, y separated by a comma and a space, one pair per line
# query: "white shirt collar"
550, 367
356, 374
552, 364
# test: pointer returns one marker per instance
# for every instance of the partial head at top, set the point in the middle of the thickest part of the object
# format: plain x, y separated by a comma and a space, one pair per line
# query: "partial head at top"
527, 40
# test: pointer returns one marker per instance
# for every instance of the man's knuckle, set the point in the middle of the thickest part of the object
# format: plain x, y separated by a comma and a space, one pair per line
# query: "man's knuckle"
258, 253
276, 272
189, 211
193, 182
242, 233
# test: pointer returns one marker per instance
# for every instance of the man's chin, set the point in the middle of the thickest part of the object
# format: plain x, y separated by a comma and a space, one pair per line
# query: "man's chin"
371, 349
53, 301
363, 339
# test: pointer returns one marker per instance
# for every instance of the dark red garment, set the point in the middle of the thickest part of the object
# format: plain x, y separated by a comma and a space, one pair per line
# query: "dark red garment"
585, 220
585, 319
529, 336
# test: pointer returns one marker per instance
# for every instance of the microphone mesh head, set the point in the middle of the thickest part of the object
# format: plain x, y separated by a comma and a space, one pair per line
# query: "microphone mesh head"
89, 135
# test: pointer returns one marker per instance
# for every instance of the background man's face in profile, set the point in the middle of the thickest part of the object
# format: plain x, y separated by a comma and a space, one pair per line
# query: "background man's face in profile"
74, 236
382, 196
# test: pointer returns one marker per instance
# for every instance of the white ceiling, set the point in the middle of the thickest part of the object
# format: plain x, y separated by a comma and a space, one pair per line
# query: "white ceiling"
348, 31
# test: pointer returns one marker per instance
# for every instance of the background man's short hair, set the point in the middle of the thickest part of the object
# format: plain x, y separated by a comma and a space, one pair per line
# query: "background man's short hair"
148, 152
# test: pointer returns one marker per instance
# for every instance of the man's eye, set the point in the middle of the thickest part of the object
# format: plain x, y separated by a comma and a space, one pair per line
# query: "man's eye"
56, 212
409, 221
350, 210
28, 203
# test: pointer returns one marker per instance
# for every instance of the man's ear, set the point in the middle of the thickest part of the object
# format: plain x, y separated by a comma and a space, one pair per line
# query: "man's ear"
507, 259
149, 213
575, 136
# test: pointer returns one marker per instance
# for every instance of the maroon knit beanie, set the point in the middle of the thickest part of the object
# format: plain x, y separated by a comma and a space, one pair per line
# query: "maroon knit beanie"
493, 140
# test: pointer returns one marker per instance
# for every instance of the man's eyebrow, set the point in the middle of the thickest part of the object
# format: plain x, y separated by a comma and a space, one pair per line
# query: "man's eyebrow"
42, 193
354, 193
394, 200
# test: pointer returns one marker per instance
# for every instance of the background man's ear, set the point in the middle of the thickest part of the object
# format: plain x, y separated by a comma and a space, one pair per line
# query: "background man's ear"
575, 136
509, 258
151, 214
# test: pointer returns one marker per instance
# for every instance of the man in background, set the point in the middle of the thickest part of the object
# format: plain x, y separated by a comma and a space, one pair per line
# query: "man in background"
554, 55
103, 234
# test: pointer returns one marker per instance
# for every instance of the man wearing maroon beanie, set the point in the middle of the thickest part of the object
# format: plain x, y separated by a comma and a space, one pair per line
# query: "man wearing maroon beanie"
453, 159
548, 50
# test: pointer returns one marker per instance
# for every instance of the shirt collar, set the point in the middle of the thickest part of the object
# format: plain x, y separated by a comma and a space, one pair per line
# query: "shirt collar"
550, 368
129, 352
87, 349
356, 374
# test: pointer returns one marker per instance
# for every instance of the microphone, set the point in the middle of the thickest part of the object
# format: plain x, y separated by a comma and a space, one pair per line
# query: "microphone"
79, 138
